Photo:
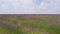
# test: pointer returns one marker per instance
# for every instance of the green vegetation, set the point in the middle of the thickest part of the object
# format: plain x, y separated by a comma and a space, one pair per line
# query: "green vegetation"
50, 28
26, 22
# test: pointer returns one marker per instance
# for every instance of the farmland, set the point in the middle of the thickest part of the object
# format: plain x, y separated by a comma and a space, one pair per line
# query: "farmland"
29, 24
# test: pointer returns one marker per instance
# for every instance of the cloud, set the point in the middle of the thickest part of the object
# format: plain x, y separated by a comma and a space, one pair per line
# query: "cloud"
29, 7
49, 7
17, 6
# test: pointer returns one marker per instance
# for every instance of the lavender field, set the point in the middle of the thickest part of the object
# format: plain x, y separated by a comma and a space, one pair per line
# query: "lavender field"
30, 24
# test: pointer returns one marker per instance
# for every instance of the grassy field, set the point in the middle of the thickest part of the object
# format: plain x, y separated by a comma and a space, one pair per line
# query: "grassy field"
30, 24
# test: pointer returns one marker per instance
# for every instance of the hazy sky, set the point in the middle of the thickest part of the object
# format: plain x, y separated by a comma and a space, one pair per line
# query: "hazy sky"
29, 6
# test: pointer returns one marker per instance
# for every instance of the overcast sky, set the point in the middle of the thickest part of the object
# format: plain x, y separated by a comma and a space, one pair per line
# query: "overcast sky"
29, 6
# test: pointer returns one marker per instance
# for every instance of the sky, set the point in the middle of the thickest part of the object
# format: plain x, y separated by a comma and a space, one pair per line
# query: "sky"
29, 6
